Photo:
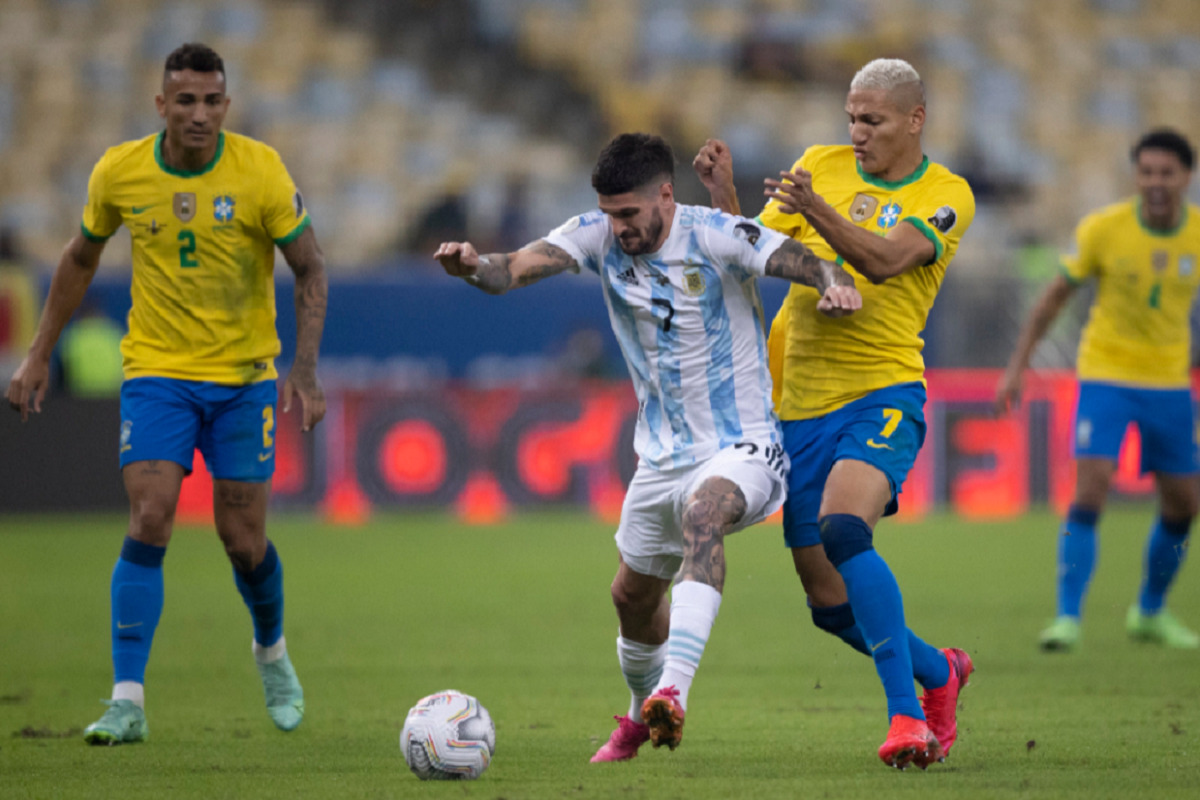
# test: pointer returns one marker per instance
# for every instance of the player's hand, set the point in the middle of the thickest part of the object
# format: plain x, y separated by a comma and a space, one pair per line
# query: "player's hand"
714, 165
793, 191
303, 381
28, 386
838, 301
458, 258
1008, 392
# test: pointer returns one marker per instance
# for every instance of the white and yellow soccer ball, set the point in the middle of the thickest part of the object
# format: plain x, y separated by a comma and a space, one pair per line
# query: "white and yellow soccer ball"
448, 736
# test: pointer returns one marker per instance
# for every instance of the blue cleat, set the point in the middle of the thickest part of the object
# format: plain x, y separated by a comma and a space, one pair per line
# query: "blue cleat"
285, 698
123, 723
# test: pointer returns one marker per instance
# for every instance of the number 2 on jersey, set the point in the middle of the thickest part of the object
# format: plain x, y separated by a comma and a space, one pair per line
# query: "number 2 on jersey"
187, 249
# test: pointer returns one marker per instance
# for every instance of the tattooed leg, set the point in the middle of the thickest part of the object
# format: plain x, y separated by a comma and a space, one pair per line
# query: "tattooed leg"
714, 508
153, 489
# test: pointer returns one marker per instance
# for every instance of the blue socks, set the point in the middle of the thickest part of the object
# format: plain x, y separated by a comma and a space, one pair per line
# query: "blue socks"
878, 607
262, 589
1165, 551
930, 667
1076, 559
137, 602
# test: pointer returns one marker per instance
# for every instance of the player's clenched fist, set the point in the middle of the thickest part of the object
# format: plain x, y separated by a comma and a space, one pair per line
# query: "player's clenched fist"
838, 301
458, 258
714, 164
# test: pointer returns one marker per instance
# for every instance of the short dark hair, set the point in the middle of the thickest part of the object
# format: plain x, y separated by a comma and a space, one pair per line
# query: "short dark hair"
1165, 139
196, 57
630, 161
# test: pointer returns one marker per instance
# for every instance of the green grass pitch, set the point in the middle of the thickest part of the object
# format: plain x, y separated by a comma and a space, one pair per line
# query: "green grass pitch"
519, 615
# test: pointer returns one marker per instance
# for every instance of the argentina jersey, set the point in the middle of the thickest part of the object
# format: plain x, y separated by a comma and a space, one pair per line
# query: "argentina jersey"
689, 322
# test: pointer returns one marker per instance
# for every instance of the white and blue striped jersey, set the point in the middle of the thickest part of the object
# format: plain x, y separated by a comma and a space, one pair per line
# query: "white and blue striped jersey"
689, 321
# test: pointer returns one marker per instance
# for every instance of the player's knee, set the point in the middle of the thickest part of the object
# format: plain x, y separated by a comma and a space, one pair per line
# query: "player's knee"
844, 536
717, 504
833, 619
630, 602
150, 522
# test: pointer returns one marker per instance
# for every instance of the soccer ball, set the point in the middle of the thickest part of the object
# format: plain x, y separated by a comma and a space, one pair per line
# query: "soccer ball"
448, 736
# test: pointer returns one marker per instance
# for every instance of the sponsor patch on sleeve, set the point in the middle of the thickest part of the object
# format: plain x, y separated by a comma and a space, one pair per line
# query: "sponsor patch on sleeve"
943, 219
747, 231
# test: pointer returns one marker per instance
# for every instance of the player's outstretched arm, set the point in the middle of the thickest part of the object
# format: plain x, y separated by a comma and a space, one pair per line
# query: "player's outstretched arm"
1045, 311
496, 273
796, 263
877, 258
714, 166
307, 262
74, 274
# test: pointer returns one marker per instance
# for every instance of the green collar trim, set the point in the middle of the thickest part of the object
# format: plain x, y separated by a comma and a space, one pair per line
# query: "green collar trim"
893, 185
1159, 231
183, 173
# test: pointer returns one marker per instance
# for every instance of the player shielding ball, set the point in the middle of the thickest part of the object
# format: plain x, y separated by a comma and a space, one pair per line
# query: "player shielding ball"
851, 392
680, 285
205, 209
1133, 369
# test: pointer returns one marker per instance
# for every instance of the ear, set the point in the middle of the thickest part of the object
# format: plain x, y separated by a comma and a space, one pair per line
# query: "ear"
916, 120
160, 104
666, 192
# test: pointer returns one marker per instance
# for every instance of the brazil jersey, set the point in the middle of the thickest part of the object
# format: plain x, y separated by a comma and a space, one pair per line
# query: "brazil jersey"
1137, 332
203, 255
824, 363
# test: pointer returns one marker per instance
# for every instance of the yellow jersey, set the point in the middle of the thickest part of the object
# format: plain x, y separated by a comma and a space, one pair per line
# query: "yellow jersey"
203, 255
820, 364
1137, 331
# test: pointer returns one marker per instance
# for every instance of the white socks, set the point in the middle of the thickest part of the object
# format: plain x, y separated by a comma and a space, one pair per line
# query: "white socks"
641, 665
130, 690
694, 608
265, 655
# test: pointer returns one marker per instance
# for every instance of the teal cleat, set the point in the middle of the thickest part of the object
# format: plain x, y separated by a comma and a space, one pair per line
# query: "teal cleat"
1161, 628
123, 723
1062, 636
285, 698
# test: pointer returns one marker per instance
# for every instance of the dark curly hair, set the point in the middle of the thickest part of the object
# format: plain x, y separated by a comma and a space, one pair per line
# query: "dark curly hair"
1165, 139
630, 161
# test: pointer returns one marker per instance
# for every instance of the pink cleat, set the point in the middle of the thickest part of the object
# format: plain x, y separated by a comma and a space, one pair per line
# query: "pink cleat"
910, 741
664, 715
941, 705
624, 742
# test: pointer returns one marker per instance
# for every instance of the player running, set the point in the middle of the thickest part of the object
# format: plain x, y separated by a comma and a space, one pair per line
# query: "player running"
205, 209
680, 285
851, 392
1133, 368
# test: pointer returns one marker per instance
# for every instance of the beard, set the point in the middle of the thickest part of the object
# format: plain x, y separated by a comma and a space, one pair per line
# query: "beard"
647, 240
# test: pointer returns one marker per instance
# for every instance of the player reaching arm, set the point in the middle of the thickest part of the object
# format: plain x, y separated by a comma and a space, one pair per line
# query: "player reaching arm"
1045, 311
498, 272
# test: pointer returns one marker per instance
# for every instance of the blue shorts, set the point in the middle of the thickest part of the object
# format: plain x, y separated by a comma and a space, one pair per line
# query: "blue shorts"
885, 429
233, 426
1165, 418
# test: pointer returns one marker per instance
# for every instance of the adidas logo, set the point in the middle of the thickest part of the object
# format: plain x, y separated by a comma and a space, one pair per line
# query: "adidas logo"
628, 276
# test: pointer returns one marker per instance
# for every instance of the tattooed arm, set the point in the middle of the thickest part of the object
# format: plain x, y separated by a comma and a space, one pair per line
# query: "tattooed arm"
498, 272
307, 261
796, 263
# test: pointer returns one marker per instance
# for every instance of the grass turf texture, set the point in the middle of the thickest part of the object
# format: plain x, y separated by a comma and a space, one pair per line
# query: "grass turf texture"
519, 615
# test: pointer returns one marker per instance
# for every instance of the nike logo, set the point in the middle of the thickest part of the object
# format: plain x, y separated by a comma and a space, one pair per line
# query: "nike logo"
122, 626
140, 209
881, 644
877, 445
263, 456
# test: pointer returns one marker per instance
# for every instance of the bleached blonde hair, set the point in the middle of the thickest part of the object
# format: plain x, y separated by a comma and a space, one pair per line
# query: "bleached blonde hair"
891, 75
